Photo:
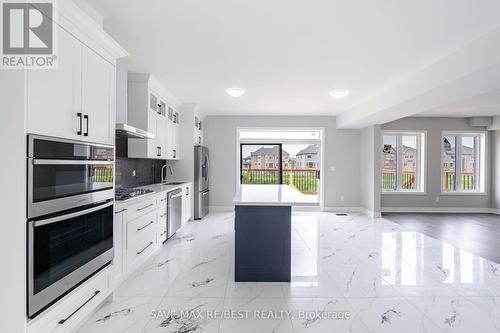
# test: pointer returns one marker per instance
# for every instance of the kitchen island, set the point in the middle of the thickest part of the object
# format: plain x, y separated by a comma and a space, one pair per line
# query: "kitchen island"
263, 231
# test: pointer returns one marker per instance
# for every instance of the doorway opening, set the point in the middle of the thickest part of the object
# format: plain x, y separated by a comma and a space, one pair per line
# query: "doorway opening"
290, 157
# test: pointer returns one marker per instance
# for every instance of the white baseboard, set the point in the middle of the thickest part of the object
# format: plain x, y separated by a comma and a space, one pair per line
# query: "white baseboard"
436, 210
359, 210
495, 211
306, 209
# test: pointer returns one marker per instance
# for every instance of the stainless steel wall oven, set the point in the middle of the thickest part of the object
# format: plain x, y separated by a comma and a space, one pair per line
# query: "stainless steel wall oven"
70, 216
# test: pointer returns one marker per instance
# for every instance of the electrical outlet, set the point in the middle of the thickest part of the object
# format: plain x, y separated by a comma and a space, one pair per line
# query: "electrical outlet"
332, 169
437, 199
133, 173
341, 198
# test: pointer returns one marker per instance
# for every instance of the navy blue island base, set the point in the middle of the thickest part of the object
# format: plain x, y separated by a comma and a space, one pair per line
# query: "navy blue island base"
263, 243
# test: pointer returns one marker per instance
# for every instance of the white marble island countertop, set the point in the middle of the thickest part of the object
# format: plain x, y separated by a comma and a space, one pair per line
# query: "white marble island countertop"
271, 195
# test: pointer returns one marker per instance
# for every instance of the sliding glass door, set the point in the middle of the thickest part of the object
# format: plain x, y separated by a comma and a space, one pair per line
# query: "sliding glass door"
261, 164
296, 165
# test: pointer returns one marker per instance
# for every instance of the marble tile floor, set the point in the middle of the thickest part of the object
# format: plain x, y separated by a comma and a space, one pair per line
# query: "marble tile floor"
349, 274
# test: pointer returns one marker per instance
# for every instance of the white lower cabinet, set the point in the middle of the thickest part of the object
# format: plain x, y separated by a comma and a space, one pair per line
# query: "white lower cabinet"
69, 312
141, 238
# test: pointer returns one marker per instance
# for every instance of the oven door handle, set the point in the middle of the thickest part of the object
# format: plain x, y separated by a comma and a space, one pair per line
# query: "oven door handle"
70, 162
71, 215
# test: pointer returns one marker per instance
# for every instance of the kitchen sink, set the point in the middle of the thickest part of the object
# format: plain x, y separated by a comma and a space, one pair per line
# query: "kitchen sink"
173, 183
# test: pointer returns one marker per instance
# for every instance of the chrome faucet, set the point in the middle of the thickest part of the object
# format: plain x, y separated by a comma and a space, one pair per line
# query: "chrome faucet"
164, 174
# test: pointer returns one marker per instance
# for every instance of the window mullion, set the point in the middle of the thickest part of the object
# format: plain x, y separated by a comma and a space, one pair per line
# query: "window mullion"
399, 173
417, 164
477, 161
458, 163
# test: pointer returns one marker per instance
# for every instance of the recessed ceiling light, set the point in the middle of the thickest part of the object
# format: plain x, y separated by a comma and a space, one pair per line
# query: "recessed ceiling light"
339, 93
235, 91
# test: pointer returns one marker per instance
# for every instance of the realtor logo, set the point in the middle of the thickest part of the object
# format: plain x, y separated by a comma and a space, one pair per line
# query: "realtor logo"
27, 35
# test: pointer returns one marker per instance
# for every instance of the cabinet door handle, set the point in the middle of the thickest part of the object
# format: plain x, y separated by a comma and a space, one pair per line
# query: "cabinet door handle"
79, 115
163, 199
175, 153
139, 209
121, 211
199, 140
145, 226
144, 249
62, 321
86, 117
163, 215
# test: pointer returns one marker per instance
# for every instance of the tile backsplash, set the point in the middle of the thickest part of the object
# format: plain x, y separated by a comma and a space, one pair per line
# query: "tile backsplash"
133, 172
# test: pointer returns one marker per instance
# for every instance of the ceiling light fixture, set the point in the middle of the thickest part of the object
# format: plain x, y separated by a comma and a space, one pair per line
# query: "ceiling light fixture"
235, 91
339, 93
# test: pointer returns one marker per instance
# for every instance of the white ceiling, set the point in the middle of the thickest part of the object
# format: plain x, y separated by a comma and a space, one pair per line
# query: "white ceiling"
288, 54
481, 105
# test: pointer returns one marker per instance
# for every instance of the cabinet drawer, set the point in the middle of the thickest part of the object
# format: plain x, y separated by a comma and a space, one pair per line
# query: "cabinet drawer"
141, 208
143, 225
141, 248
69, 312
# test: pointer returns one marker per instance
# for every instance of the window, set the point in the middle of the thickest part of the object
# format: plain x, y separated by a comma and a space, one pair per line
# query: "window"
462, 162
403, 162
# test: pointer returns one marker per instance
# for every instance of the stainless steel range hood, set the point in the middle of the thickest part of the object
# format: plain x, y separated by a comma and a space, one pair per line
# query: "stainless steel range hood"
133, 132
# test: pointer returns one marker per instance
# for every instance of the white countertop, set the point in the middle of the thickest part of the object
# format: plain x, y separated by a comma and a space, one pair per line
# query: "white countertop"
270, 195
157, 188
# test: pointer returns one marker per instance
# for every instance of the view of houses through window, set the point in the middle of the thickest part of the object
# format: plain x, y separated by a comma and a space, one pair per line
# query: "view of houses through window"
461, 154
401, 162
296, 165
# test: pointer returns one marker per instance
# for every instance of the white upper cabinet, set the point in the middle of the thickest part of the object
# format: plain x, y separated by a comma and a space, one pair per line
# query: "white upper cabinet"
76, 100
198, 131
161, 137
98, 80
149, 110
173, 134
54, 96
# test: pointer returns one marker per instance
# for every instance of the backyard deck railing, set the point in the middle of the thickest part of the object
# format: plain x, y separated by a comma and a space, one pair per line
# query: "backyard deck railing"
468, 183
408, 181
304, 180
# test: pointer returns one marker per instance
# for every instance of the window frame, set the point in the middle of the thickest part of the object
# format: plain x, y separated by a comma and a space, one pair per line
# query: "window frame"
280, 159
481, 182
420, 164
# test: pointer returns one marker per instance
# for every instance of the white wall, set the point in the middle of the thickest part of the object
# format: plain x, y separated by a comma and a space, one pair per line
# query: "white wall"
341, 153
12, 202
434, 128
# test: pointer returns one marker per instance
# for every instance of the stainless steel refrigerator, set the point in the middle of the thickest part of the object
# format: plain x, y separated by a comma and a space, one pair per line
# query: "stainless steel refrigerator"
201, 189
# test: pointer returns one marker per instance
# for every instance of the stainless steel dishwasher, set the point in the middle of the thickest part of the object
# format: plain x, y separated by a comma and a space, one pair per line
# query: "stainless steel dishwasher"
174, 211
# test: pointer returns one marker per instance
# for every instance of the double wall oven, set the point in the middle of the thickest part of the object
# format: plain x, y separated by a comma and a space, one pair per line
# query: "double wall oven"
70, 216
